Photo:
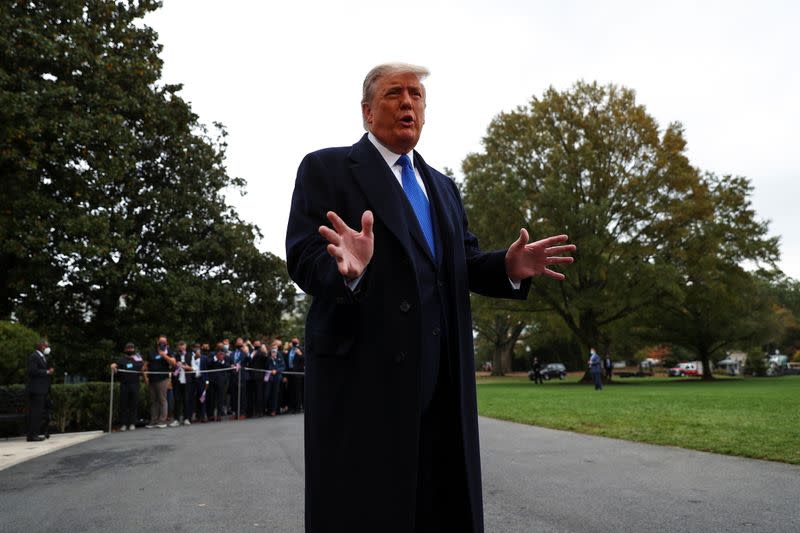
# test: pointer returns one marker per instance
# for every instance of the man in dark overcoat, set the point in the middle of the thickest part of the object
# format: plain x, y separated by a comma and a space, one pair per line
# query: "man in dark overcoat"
37, 386
391, 428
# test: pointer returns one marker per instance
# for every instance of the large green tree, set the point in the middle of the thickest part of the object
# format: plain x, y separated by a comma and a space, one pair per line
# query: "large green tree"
786, 292
714, 303
113, 220
589, 162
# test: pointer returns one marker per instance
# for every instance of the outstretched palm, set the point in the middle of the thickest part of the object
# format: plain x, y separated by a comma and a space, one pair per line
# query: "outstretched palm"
351, 249
524, 260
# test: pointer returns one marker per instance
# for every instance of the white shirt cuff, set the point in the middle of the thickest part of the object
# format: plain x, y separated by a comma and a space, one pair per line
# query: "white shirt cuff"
352, 284
515, 284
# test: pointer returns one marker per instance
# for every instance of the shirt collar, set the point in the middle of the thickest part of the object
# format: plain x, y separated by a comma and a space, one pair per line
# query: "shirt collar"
388, 156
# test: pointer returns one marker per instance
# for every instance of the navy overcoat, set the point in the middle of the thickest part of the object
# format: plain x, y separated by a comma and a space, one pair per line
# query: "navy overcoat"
362, 394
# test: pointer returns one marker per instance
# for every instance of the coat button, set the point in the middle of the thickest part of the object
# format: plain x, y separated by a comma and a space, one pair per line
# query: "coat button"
400, 357
436, 332
405, 306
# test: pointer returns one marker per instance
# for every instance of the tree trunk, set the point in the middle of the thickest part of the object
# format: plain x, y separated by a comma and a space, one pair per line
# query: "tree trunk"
706, 360
503, 350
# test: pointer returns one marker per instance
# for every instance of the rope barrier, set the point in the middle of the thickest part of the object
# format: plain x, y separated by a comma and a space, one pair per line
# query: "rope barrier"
246, 369
192, 372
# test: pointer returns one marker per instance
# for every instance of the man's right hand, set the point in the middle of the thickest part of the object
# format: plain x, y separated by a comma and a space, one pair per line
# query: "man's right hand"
351, 249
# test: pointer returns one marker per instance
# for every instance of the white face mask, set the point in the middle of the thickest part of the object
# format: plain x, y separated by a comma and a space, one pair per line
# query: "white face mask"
46, 351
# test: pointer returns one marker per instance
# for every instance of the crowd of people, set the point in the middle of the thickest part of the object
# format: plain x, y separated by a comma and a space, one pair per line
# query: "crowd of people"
186, 384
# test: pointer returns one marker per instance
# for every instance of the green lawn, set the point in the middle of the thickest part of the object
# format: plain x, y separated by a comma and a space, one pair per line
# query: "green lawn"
757, 418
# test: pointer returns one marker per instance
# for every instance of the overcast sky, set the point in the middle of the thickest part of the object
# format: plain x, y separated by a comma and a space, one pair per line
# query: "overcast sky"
285, 79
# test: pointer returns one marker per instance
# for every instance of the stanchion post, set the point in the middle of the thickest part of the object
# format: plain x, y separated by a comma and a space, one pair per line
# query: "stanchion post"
111, 401
239, 393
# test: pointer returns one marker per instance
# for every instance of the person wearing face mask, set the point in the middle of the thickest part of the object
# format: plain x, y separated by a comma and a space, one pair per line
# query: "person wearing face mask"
37, 388
131, 361
199, 380
260, 384
294, 363
183, 380
160, 361
276, 367
238, 399
218, 383
202, 360
250, 381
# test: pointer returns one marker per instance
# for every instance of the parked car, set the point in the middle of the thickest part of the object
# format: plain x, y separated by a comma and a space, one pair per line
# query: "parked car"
686, 369
553, 371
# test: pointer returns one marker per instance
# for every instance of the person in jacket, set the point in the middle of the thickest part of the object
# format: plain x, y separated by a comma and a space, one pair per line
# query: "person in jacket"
183, 386
275, 367
131, 364
38, 374
261, 377
380, 240
221, 363
537, 371
251, 379
595, 369
160, 362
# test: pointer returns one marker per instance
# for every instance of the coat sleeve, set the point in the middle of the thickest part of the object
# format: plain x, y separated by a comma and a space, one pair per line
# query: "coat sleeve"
486, 270
309, 264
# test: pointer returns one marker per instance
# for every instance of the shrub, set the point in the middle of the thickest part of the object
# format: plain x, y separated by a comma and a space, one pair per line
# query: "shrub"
16, 343
84, 407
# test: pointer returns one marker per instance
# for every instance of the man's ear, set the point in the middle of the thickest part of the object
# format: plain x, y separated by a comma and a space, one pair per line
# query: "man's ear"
366, 113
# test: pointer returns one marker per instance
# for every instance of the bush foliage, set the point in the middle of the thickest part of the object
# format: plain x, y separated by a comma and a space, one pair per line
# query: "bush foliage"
83, 407
16, 342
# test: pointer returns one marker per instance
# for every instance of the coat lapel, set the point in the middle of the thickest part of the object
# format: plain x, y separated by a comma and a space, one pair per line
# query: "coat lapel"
389, 203
381, 188
442, 221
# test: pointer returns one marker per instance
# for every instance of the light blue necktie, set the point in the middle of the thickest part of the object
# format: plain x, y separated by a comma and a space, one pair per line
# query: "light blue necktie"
418, 200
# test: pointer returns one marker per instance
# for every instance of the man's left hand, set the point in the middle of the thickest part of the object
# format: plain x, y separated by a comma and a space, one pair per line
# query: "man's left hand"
524, 260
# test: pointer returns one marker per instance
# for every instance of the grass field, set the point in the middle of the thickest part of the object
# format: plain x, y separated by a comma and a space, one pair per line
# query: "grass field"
757, 418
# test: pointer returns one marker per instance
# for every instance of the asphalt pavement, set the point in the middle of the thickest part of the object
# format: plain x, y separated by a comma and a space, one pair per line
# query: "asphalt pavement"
248, 476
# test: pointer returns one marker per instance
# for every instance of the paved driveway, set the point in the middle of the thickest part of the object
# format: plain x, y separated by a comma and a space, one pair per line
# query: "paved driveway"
247, 476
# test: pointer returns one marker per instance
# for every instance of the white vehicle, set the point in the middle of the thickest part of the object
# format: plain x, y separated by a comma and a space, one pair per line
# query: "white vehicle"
692, 368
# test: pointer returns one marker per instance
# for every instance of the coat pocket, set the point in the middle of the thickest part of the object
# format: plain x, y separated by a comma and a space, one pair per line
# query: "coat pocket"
323, 345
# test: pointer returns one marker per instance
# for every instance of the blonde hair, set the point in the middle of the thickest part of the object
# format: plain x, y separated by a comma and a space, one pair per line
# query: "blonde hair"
388, 69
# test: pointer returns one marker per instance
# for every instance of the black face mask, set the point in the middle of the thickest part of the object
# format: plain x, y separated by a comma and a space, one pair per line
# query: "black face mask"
130, 353
295, 343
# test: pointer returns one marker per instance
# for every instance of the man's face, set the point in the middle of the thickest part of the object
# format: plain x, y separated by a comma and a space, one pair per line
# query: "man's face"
396, 113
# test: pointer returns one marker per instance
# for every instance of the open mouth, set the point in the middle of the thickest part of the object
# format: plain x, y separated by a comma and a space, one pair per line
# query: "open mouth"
407, 120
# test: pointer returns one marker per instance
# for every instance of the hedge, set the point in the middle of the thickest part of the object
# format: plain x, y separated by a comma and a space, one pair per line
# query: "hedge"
16, 343
82, 407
